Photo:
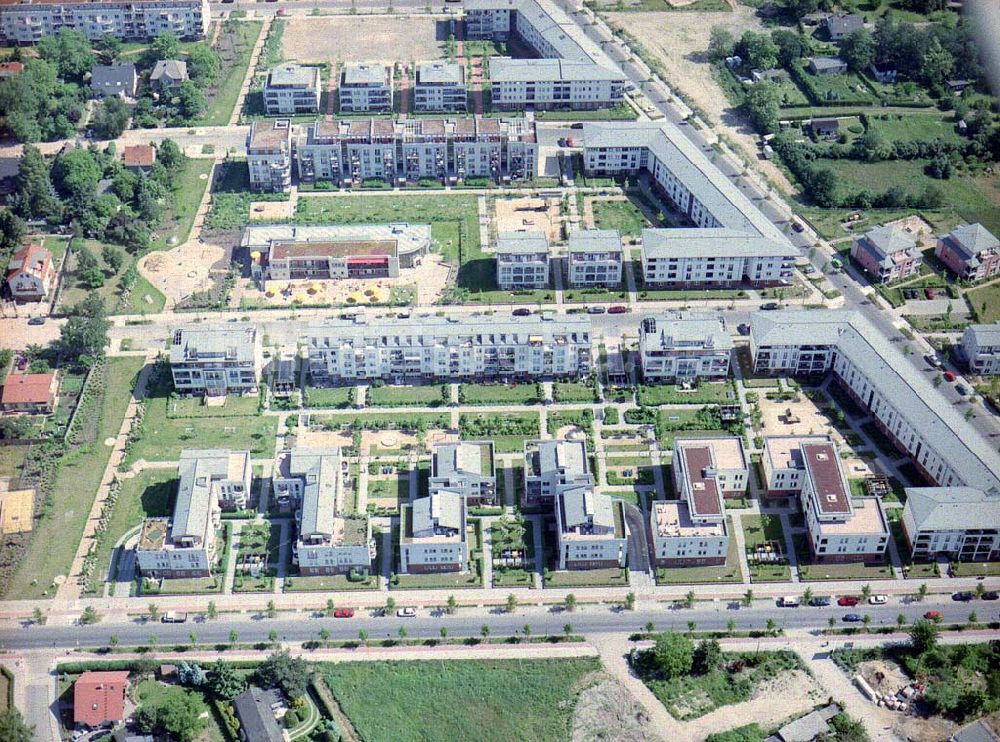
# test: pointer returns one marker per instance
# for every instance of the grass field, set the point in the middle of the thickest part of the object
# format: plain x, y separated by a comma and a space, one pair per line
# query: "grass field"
914, 127
461, 699
190, 183
573, 391
335, 396
705, 393
402, 396
56, 536
222, 100
11, 459
74, 290
624, 216
587, 577
759, 529
985, 301
499, 394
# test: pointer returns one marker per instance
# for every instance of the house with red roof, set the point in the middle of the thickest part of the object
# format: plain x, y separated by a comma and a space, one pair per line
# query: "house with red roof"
139, 157
30, 273
10, 69
99, 697
32, 393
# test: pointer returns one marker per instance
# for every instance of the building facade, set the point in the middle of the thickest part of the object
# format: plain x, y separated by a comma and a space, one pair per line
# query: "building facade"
216, 361
433, 535
722, 460
981, 345
590, 529
365, 88
447, 348
887, 254
551, 466
465, 468
960, 523
684, 348
31, 274
970, 251
440, 86
595, 258
291, 89
522, 261
713, 257
269, 155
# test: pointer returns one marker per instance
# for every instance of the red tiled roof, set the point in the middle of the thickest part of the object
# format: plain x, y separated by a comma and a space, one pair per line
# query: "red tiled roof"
140, 155
99, 697
9, 69
27, 389
32, 259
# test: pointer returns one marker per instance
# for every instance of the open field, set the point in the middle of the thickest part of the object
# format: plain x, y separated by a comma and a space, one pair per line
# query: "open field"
912, 127
622, 215
401, 396
11, 459
191, 180
235, 45
499, 394
56, 536
985, 302
386, 39
461, 699
75, 290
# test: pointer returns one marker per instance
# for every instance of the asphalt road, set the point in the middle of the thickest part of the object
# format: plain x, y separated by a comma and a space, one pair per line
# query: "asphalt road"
427, 624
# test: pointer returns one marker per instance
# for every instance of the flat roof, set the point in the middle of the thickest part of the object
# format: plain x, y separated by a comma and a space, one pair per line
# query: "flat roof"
727, 451
672, 519
866, 519
364, 74
405, 237
822, 466
292, 76
785, 451
522, 242
440, 73
675, 331
271, 135
346, 248
595, 241
705, 498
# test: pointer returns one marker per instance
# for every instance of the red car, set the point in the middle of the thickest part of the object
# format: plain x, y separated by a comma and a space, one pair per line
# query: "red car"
617, 309
949, 375
929, 293
847, 600
933, 615
344, 613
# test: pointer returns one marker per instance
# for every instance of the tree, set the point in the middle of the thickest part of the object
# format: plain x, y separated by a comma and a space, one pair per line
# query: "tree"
484, 630
191, 675
390, 605
807, 595
900, 620
113, 257
111, 118
831, 621
757, 50
772, 627
731, 625
203, 64
193, 638
97, 215
511, 603
75, 174
858, 49
402, 632
324, 634
791, 46
444, 632
873, 146
692, 625
12, 230
89, 616
630, 601
567, 629
866, 591
748, 598
290, 674
451, 605
13, 728
799, 8
689, 599
37, 617
762, 103
169, 154
178, 714
707, 656
34, 198
165, 46
108, 48
190, 100
70, 51
822, 186
720, 44
569, 602
362, 636
940, 167
233, 636
936, 65
526, 629
224, 681
212, 611
866, 620
674, 654
921, 592
113, 640
923, 636
272, 611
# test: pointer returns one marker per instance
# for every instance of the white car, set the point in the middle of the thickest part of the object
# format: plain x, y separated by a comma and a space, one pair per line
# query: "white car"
406, 613
878, 599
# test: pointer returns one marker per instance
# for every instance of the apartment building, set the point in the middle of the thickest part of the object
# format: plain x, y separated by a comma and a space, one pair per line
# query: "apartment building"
722, 460
399, 152
365, 88
590, 529
269, 155
433, 535
128, 20
288, 252
570, 71
906, 407
311, 482
552, 466
595, 258
782, 463
840, 528
684, 348
960, 523
714, 257
520, 84
440, 86
291, 89
185, 545
970, 251
449, 348
467, 469
522, 260
887, 254
216, 361
981, 345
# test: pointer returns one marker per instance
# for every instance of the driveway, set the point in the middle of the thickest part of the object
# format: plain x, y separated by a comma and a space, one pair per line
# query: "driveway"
638, 551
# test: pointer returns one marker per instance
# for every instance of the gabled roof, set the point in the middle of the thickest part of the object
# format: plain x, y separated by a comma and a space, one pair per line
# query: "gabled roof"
32, 259
253, 708
139, 155
319, 469
595, 240
952, 508
827, 63
174, 69
845, 23
99, 697
117, 77
713, 242
27, 389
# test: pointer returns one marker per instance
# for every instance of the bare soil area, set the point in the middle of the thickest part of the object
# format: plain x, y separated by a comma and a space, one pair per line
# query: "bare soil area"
917, 227
609, 713
805, 419
679, 41
183, 270
529, 215
386, 39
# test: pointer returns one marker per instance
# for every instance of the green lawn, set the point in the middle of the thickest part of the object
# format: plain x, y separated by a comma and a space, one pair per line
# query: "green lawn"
190, 183
720, 392
619, 113
222, 96
195, 407
499, 394
77, 477
624, 216
819, 572
395, 490
985, 301
11, 459
439, 580
975, 569
728, 572
74, 290
914, 127
402, 396
325, 583
690, 423
842, 88
573, 391
334, 396
760, 529
153, 692
587, 577
458, 700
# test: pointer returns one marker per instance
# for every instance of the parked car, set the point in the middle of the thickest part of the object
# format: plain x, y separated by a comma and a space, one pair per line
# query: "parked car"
344, 613
932, 360
962, 389
878, 599
949, 375
562, 141
847, 600
769, 306
929, 293
406, 612
577, 125
617, 309
743, 328
819, 601
521, 312
569, 141
596, 310
36, 321
853, 618
962, 597
990, 595
797, 225
790, 601
933, 615
836, 263
174, 617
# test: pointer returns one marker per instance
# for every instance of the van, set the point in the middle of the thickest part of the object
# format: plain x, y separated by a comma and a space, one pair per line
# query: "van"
790, 601
174, 617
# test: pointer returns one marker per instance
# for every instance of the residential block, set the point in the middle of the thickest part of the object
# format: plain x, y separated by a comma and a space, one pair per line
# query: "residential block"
522, 260
216, 361
684, 348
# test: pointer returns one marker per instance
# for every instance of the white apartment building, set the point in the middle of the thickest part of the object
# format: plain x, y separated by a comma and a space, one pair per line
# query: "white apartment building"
981, 345
552, 466
782, 463
465, 468
349, 152
269, 155
907, 408
522, 260
447, 348
365, 88
216, 361
291, 89
520, 84
961, 523
595, 258
128, 20
433, 535
722, 460
440, 86
684, 348
328, 542
590, 529
185, 544
840, 528
714, 257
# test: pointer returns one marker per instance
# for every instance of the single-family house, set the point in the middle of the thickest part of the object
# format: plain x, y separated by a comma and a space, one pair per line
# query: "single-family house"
883, 71
30, 273
139, 158
114, 79
827, 66
840, 25
958, 86
255, 710
167, 74
827, 127
31, 393
99, 697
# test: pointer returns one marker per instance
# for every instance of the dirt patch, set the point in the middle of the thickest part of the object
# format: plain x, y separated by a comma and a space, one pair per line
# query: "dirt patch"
805, 419
270, 211
884, 676
679, 41
917, 227
386, 39
322, 438
572, 432
917, 729
529, 215
185, 269
608, 712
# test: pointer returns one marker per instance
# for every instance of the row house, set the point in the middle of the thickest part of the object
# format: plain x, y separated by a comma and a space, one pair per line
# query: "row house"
128, 20
906, 407
960, 523
467, 469
185, 544
365, 88
971, 252
551, 466
684, 348
311, 482
291, 89
595, 258
713, 257
440, 86
590, 529
522, 260
447, 348
433, 535
216, 361
981, 345
269, 155
887, 254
